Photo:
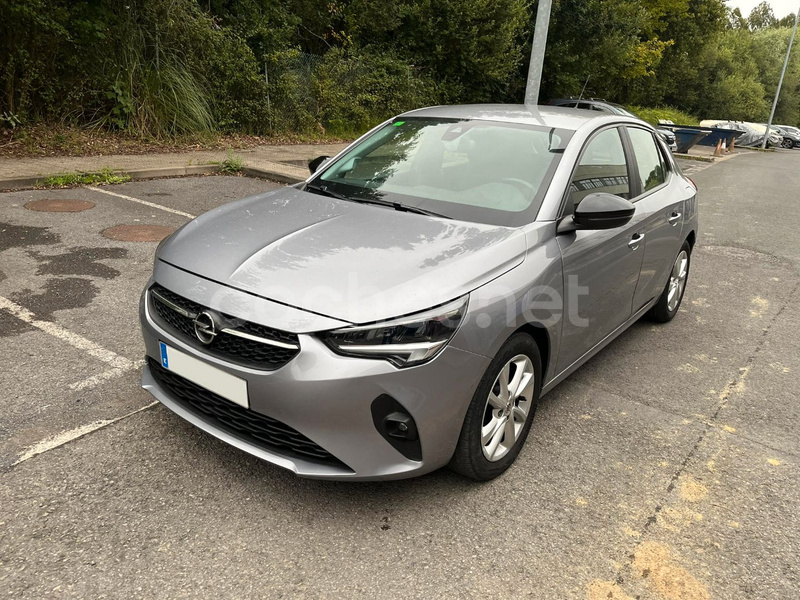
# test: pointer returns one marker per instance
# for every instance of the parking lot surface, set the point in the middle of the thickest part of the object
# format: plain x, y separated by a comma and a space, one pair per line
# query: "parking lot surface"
665, 468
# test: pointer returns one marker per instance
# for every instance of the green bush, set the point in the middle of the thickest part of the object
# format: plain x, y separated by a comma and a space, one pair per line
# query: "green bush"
356, 91
342, 93
667, 113
164, 68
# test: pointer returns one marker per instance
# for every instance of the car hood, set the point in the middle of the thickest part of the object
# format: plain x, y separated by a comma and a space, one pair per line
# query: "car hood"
354, 262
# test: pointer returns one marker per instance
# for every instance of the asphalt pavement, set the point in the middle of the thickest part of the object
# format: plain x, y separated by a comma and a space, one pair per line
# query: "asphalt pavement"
665, 468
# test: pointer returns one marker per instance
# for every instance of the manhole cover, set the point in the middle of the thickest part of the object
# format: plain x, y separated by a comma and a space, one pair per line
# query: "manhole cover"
137, 233
56, 205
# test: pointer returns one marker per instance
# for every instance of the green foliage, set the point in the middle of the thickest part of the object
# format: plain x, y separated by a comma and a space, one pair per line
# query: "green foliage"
666, 113
232, 165
599, 45
10, 120
161, 69
344, 92
761, 17
470, 48
356, 91
104, 176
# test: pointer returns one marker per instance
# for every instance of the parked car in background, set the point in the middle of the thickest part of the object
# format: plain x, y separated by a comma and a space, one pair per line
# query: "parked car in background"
753, 133
790, 129
791, 136
407, 305
606, 106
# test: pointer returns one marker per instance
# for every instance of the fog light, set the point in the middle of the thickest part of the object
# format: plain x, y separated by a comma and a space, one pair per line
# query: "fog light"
396, 426
400, 425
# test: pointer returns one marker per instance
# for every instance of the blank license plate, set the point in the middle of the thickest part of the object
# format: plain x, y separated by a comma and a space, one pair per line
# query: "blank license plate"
213, 379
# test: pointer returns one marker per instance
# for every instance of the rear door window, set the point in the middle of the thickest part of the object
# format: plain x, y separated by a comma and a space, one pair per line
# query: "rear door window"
650, 168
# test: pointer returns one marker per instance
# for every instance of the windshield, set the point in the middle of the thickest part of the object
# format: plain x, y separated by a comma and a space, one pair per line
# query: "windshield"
480, 171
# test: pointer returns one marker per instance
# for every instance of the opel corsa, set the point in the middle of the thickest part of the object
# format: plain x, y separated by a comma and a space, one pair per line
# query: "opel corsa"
406, 307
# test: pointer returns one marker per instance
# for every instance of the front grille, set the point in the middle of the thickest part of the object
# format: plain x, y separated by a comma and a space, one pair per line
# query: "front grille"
228, 346
254, 427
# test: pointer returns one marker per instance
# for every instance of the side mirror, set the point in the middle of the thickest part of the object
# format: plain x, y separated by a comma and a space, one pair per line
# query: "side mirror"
314, 165
599, 211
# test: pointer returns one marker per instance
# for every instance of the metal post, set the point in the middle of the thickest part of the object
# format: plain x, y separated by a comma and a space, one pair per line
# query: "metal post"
780, 81
537, 52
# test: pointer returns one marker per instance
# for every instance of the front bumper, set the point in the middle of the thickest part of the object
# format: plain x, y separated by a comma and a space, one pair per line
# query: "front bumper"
328, 398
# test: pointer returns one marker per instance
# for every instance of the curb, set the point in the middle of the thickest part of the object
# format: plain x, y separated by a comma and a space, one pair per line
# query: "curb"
756, 149
708, 159
18, 183
26, 183
272, 175
170, 171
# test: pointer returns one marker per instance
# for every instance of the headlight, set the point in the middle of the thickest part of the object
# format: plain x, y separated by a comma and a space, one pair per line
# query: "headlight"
405, 341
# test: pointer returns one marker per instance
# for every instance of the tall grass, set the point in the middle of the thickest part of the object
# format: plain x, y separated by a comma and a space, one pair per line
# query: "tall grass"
155, 93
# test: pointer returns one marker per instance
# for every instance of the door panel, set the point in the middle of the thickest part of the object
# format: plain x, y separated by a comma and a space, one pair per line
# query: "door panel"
601, 270
662, 207
663, 240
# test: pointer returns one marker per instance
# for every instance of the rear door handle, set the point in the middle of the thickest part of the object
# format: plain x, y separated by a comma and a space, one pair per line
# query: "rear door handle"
635, 241
674, 217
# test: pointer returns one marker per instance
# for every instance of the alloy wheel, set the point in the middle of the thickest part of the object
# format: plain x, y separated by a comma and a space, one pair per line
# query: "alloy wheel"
677, 280
508, 407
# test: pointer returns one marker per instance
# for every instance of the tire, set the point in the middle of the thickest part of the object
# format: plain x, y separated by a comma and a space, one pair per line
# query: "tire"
474, 459
787, 143
667, 307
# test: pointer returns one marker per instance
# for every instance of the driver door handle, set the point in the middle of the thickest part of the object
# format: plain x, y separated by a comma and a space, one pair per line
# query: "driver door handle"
674, 217
635, 241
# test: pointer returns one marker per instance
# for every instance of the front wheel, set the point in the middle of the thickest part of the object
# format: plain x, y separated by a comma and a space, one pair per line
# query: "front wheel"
670, 301
787, 143
501, 412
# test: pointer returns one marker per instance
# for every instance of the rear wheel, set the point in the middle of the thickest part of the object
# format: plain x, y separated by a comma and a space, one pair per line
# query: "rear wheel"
670, 301
787, 143
501, 412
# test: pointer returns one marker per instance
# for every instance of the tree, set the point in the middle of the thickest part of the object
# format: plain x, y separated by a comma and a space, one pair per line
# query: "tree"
787, 21
736, 20
761, 17
470, 48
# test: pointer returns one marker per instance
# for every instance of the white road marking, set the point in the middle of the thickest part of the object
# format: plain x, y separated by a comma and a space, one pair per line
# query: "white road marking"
73, 434
145, 202
94, 380
73, 339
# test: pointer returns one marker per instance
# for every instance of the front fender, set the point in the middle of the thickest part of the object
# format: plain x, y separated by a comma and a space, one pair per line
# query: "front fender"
530, 294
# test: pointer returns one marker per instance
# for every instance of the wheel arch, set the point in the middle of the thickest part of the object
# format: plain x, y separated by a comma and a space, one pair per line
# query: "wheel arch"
691, 238
541, 336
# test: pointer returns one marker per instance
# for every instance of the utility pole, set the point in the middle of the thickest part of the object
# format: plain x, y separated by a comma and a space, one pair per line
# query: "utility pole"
537, 52
780, 81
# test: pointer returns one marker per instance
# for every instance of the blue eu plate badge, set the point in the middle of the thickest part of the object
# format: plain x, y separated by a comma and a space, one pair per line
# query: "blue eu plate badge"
164, 359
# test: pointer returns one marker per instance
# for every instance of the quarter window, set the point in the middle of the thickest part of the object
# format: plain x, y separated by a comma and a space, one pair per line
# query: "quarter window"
602, 168
650, 165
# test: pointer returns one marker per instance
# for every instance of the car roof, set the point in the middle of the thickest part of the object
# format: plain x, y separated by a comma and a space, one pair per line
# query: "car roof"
560, 117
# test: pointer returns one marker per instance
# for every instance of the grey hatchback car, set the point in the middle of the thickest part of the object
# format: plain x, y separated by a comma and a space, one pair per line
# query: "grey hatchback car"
406, 306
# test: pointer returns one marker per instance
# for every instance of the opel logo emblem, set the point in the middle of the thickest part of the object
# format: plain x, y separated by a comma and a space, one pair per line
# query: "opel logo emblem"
204, 328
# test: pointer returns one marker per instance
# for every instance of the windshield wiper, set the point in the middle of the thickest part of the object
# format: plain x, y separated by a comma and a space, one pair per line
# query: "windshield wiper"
416, 210
399, 207
324, 191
